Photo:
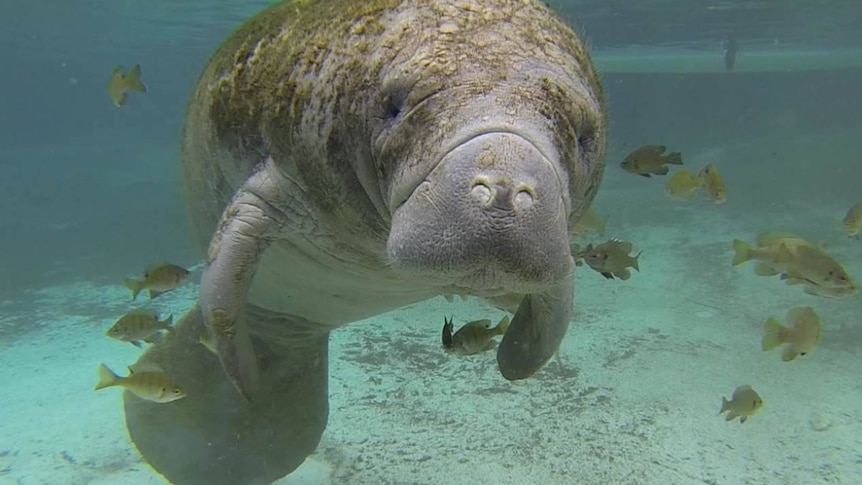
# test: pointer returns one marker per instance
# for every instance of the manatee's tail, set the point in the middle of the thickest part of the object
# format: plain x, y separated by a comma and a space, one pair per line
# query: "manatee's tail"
135, 285
213, 436
133, 79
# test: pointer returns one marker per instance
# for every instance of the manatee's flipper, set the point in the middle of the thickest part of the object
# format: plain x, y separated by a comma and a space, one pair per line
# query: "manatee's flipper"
213, 436
536, 331
263, 208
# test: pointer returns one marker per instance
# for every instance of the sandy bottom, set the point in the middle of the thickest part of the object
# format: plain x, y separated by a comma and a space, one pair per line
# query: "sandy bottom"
633, 398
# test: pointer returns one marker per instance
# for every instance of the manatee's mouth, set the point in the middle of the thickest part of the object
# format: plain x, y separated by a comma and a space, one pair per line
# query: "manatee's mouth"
490, 218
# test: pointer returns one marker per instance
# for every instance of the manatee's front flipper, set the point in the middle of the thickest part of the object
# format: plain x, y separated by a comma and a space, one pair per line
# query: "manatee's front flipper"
264, 207
213, 436
536, 331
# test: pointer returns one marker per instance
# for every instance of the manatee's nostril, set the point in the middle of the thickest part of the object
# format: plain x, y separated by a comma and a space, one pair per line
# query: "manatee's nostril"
481, 191
523, 199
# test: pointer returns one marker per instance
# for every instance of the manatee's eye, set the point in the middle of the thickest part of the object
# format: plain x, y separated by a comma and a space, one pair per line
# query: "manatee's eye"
395, 92
587, 142
177, 391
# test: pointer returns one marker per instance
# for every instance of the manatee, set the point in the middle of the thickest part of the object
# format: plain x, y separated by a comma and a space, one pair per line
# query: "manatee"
342, 159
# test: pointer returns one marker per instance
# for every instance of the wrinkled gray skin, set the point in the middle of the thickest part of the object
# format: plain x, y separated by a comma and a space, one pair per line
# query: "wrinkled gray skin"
342, 159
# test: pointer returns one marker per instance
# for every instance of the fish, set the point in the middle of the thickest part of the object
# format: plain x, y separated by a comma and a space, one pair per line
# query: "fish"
158, 278
766, 251
853, 221
802, 335
816, 269
611, 258
713, 184
155, 385
590, 223
729, 49
744, 403
649, 160
137, 326
122, 82
683, 185
474, 337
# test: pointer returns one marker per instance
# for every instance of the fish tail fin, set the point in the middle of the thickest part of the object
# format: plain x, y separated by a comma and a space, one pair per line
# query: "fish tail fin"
741, 252
635, 263
135, 285
107, 378
501, 327
133, 79
168, 323
774, 334
674, 158
725, 405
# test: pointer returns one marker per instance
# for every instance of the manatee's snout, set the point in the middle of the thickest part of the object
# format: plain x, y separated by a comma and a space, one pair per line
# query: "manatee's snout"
490, 215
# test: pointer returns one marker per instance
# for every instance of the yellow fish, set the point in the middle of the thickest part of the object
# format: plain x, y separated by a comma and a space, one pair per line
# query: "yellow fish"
473, 337
683, 185
744, 403
650, 160
852, 223
713, 184
121, 82
591, 223
611, 258
158, 279
137, 326
816, 269
802, 335
153, 386
766, 251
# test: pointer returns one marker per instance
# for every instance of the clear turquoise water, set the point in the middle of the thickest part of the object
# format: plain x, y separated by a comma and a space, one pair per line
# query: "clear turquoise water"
90, 194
